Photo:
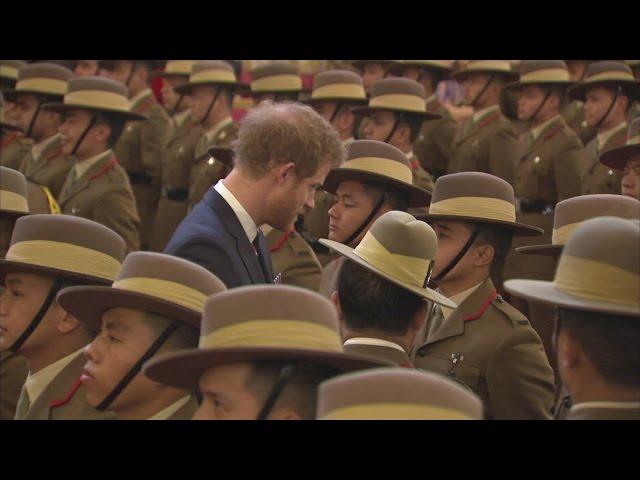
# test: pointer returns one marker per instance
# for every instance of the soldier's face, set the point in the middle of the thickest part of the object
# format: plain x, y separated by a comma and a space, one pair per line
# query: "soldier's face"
325, 109
225, 395
452, 236
23, 111
73, 126
473, 85
22, 296
379, 127
631, 178
371, 73
86, 67
200, 99
169, 96
597, 102
530, 100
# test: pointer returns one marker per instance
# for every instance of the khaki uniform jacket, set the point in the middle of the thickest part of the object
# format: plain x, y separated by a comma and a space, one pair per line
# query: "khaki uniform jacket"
598, 178
13, 373
380, 352
488, 145
65, 399
604, 413
294, 258
40, 200
103, 194
316, 224
573, 114
489, 347
13, 148
433, 144
329, 278
52, 168
177, 161
203, 173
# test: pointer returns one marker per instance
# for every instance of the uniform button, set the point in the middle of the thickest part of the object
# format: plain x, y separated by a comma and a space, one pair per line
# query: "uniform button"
129, 128
422, 352
211, 161
536, 160
610, 172
181, 149
584, 124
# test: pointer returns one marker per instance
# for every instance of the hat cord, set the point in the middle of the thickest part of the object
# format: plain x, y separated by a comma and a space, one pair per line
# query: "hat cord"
395, 127
32, 123
215, 97
366, 222
44, 308
484, 89
164, 336
335, 112
133, 67
458, 257
544, 100
613, 102
84, 134
173, 110
283, 379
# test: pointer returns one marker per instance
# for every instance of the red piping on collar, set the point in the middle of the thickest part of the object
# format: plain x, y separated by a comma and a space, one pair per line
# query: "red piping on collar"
70, 394
112, 163
483, 308
283, 239
486, 121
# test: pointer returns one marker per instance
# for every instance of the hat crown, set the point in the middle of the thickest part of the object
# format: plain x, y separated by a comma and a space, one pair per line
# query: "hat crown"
204, 65
530, 66
330, 77
472, 184
278, 67
44, 70
375, 149
179, 67
93, 83
608, 67
489, 65
9, 68
13, 191
397, 86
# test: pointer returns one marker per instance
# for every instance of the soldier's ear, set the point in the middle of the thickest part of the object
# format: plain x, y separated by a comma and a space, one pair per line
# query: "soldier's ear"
68, 323
335, 299
483, 255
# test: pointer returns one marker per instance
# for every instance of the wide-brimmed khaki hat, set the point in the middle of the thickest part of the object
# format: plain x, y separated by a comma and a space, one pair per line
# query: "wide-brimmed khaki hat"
396, 394
40, 79
154, 282
606, 72
13, 194
599, 270
491, 67
400, 249
280, 76
65, 246
216, 73
397, 94
97, 94
570, 213
260, 323
337, 86
541, 72
442, 66
476, 197
378, 162
175, 68
616, 158
9, 69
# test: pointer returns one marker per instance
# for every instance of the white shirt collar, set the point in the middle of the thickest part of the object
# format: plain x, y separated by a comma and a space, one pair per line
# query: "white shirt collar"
180, 117
604, 404
81, 167
374, 341
36, 383
36, 150
213, 131
480, 114
536, 131
171, 409
139, 97
248, 225
458, 298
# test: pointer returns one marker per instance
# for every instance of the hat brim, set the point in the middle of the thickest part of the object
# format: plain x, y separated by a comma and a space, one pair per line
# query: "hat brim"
312, 101
579, 90
519, 229
547, 250
367, 110
519, 85
12, 214
62, 108
425, 293
183, 369
11, 94
418, 197
8, 126
187, 88
8, 266
616, 158
88, 304
545, 292
460, 75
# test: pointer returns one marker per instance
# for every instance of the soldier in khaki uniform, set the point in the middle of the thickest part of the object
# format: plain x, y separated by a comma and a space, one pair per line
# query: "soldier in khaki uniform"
153, 306
210, 89
436, 136
607, 91
485, 343
375, 178
597, 335
397, 110
550, 160
573, 110
177, 159
97, 187
140, 147
381, 295
627, 160
38, 83
47, 253
13, 144
371, 71
486, 142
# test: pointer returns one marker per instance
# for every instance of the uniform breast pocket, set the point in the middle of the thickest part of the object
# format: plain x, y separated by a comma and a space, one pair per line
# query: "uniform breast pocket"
453, 366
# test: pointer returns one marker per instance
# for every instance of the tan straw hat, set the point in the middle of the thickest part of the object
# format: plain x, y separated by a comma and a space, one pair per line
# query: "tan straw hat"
495, 67
617, 157
40, 79
337, 86
13, 194
175, 68
541, 72
606, 72
211, 72
280, 76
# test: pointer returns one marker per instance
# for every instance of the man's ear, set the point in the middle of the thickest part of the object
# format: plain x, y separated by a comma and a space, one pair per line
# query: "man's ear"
483, 255
569, 352
102, 132
67, 323
284, 173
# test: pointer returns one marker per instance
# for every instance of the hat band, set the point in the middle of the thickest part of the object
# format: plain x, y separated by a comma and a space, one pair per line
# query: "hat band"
561, 235
381, 166
492, 65
611, 75
179, 67
276, 83
351, 91
546, 75
47, 86
477, 207
597, 281
394, 411
64, 256
97, 99
7, 71
399, 101
165, 290
410, 270
274, 333
204, 76
13, 201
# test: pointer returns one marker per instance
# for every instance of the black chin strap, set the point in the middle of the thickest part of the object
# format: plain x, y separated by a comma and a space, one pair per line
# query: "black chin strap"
544, 100
33, 120
457, 258
366, 222
395, 127
133, 67
44, 308
173, 111
164, 336
484, 89
613, 102
285, 375
335, 112
84, 134
215, 97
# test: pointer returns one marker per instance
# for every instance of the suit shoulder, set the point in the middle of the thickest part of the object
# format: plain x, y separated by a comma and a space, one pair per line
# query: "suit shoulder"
509, 315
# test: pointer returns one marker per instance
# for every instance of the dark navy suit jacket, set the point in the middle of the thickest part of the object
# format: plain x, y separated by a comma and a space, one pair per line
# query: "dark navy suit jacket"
212, 236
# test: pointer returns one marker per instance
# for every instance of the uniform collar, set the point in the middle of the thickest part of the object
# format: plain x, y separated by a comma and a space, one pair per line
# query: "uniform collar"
38, 149
481, 114
138, 99
217, 128
83, 166
537, 131
36, 383
181, 117
171, 409
379, 342
603, 138
409, 155
431, 99
248, 225
458, 299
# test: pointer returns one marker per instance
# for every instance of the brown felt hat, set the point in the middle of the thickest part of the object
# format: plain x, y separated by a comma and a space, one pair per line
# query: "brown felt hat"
9, 69
397, 66
476, 197
570, 213
495, 67
260, 323
64, 246
216, 73
606, 72
40, 79
599, 270
175, 68
96, 94
396, 394
149, 281
13, 194
337, 86
279, 76
541, 72
379, 162
616, 158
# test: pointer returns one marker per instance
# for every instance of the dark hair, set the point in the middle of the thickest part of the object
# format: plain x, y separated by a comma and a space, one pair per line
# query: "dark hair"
301, 390
500, 238
115, 122
183, 337
612, 343
369, 301
414, 122
396, 198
